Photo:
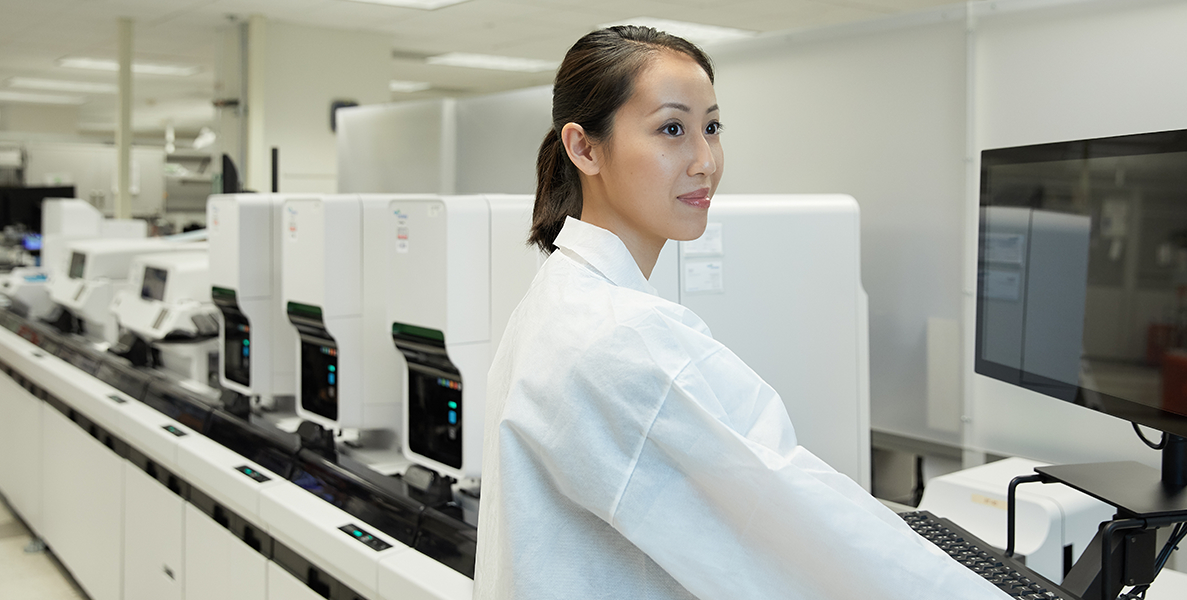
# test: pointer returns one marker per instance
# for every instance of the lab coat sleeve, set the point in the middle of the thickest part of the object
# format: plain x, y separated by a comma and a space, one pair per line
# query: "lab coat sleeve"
722, 498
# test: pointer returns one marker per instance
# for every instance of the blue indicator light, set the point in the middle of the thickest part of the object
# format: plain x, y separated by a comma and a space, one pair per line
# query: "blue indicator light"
245, 351
331, 379
453, 417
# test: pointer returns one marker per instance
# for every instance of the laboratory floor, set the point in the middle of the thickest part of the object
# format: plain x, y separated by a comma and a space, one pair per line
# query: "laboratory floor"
36, 576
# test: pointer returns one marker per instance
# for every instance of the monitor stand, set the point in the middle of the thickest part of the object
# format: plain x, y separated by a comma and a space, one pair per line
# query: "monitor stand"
1146, 500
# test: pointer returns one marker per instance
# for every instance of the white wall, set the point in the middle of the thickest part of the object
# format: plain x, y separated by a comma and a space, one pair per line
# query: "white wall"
303, 70
482, 144
38, 118
498, 137
1066, 72
879, 113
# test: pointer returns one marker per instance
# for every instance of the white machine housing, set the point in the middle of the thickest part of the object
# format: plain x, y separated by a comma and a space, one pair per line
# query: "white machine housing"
62, 221
322, 287
459, 266
170, 295
245, 239
1049, 517
777, 278
98, 269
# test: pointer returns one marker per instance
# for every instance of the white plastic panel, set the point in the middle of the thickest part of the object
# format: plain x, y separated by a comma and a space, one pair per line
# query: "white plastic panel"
84, 506
154, 535
309, 525
220, 566
211, 467
414, 576
283, 586
20, 450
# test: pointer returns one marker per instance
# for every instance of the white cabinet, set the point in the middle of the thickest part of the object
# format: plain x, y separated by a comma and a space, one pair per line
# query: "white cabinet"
20, 450
283, 586
154, 530
219, 566
83, 518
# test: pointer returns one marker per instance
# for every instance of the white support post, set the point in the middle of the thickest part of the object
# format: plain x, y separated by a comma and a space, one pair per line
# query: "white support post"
123, 131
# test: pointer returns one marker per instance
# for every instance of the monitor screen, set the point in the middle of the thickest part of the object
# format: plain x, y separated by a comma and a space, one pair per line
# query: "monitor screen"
1082, 274
31, 242
153, 287
22, 206
78, 265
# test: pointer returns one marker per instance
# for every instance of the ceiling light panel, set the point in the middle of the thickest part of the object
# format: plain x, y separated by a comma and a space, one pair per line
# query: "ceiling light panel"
58, 85
139, 68
408, 87
7, 96
696, 33
418, 4
492, 62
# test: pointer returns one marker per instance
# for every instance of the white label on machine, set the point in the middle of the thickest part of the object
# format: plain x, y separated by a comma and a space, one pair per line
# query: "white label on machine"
703, 276
401, 233
1005, 248
709, 244
1001, 284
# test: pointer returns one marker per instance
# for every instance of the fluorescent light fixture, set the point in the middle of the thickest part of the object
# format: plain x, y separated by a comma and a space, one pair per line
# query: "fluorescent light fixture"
139, 68
420, 4
408, 87
6, 96
495, 63
693, 32
58, 85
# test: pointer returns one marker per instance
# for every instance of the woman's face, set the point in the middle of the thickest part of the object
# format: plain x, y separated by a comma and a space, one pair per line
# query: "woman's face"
663, 159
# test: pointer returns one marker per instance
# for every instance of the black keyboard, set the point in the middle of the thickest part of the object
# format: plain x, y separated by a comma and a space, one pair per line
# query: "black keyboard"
1009, 575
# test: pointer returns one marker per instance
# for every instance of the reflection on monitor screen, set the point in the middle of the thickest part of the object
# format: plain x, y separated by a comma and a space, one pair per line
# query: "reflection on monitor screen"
153, 287
1082, 274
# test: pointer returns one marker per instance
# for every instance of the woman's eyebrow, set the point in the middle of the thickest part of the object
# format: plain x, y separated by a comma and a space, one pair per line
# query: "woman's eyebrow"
683, 107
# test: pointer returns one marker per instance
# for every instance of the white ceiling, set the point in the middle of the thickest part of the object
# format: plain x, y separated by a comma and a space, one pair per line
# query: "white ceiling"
35, 33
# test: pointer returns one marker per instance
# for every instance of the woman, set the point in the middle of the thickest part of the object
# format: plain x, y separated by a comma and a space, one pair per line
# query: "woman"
627, 453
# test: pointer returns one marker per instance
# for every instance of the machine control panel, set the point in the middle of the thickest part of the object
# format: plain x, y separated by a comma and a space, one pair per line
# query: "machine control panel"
371, 541
174, 430
254, 474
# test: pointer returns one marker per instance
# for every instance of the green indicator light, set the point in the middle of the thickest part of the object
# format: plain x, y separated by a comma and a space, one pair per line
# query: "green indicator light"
246, 342
248, 471
453, 405
332, 369
358, 533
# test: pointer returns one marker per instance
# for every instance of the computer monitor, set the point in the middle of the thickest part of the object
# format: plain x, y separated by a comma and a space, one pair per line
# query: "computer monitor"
22, 205
1082, 275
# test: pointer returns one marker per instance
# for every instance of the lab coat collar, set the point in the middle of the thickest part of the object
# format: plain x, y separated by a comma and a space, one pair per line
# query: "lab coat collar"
602, 251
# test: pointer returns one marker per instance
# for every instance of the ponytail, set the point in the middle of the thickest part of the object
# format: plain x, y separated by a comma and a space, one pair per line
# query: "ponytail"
558, 192
593, 82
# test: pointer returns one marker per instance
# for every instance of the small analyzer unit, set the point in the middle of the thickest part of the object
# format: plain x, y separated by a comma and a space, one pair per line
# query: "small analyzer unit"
257, 343
459, 266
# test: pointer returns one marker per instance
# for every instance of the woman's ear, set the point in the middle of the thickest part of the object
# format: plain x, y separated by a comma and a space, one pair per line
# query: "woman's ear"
580, 149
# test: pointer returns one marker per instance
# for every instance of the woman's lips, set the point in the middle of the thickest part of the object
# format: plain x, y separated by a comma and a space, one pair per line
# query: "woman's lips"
697, 199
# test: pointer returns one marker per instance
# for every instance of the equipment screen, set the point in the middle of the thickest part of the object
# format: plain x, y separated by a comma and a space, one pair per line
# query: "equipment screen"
153, 287
78, 265
319, 361
1082, 274
434, 395
237, 349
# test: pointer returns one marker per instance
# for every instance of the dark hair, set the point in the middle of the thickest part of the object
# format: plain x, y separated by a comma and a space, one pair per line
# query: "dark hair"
594, 81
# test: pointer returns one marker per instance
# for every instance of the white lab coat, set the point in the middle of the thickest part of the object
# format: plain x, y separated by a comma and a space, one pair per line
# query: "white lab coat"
630, 455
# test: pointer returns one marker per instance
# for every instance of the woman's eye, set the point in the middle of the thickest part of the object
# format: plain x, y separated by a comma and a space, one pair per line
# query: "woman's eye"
714, 128
673, 129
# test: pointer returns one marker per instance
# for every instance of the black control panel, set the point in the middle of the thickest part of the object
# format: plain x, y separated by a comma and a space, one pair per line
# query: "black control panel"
254, 474
434, 394
175, 431
371, 541
236, 337
319, 361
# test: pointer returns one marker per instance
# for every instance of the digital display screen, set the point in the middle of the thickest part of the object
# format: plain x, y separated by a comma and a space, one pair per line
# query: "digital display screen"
237, 349
434, 395
153, 286
78, 265
319, 377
